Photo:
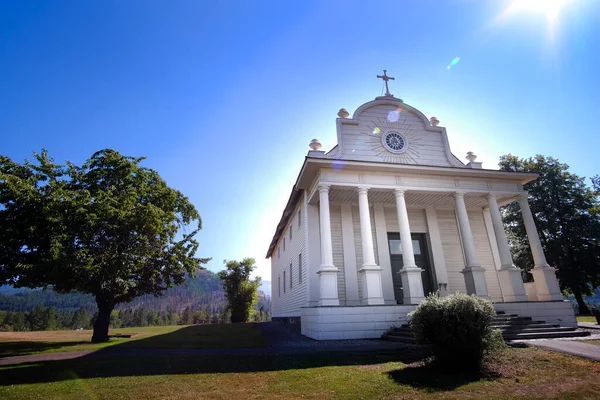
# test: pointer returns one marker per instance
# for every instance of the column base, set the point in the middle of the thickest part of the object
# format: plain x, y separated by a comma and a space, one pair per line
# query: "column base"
412, 285
372, 289
546, 284
328, 286
512, 284
475, 281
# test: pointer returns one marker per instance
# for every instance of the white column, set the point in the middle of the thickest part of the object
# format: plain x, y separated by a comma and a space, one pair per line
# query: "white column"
509, 275
544, 276
412, 281
327, 272
372, 291
474, 273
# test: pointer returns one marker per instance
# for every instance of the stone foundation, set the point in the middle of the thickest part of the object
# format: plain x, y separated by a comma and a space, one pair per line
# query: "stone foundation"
371, 322
359, 322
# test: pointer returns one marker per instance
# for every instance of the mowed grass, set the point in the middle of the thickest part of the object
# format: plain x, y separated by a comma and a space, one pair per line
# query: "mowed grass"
522, 373
189, 337
586, 318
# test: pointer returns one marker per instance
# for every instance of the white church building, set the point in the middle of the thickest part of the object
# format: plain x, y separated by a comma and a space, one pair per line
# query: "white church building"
390, 215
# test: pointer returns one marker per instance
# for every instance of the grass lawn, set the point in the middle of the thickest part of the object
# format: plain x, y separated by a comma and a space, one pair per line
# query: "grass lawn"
523, 373
586, 318
192, 336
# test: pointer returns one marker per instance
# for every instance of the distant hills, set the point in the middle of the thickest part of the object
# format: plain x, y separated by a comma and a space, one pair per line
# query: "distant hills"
203, 292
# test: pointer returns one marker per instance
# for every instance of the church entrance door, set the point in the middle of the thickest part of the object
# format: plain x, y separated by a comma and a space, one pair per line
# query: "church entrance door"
421, 251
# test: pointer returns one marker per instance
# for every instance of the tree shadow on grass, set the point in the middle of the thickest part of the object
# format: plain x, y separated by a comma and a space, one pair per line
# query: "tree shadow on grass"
122, 360
9, 349
428, 377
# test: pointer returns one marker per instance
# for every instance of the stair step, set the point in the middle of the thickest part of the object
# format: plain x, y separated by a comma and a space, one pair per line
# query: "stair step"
528, 326
516, 322
511, 319
401, 334
402, 329
543, 335
398, 339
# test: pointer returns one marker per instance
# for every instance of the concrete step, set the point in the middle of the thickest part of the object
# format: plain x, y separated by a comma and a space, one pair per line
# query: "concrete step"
401, 334
527, 326
516, 322
403, 329
398, 339
547, 329
543, 335
511, 319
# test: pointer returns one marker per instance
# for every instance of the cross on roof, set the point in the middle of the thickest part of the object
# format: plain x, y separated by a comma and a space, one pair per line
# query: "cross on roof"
386, 79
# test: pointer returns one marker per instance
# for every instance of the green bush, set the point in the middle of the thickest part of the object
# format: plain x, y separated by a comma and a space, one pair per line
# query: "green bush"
458, 329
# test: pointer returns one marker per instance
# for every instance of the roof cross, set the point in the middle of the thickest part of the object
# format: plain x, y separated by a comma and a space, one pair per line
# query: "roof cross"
386, 79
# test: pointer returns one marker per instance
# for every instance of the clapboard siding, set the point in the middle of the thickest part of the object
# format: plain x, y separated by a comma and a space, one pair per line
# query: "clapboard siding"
416, 219
359, 143
453, 253
290, 302
484, 253
338, 249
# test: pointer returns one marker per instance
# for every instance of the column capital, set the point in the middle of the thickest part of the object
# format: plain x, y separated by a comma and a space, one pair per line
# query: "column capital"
491, 196
362, 189
459, 195
323, 187
523, 196
399, 192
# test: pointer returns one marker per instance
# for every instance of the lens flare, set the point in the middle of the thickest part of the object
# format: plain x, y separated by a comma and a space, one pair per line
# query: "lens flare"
376, 131
454, 61
393, 116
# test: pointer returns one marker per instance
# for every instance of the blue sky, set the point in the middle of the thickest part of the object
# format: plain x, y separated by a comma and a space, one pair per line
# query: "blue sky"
224, 98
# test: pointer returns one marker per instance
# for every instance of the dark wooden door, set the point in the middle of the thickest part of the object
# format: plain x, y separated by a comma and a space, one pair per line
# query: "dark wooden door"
421, 259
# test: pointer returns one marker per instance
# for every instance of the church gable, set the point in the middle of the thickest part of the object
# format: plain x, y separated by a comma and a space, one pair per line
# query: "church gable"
388, 130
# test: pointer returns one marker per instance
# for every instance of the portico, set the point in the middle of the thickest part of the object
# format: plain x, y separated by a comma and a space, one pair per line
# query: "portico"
376, 200
390, 215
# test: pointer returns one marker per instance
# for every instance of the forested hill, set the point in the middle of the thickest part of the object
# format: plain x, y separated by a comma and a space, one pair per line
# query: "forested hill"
203, 292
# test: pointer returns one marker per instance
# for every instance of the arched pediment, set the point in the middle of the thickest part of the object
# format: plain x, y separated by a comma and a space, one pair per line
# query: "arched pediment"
389, 130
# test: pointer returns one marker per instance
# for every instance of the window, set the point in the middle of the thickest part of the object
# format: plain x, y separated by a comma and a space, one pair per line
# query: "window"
290, 233
279, 285
396, 247
284, 282
299, 219
300, 268
291, 275
283, 244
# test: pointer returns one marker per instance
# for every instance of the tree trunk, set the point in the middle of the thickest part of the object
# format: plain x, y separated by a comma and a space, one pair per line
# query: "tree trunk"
583, 308
105, 307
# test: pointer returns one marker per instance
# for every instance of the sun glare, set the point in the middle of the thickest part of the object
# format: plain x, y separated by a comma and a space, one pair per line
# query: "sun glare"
551, 9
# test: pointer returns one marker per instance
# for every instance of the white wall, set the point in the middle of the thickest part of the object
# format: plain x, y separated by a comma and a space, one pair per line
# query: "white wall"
288, 304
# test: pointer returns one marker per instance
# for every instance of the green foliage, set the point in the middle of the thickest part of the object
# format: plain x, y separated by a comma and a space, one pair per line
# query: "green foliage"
567, 216
458, 329
110, 228
241, 292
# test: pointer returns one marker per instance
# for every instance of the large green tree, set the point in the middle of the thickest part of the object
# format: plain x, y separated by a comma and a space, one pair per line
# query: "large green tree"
110, 227
241, 291
567, 216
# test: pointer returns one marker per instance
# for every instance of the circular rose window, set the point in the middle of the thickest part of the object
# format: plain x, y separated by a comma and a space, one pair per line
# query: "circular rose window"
394, 142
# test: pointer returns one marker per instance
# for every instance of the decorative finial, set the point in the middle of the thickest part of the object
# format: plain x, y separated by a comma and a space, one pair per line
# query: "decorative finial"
471, 156
343, 113
434, 121
386, 79
315, 145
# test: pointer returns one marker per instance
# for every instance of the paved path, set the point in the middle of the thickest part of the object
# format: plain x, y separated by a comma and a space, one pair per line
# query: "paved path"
588, 325
572, 347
